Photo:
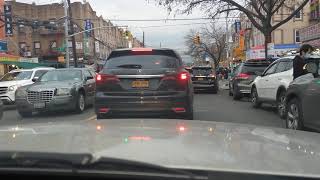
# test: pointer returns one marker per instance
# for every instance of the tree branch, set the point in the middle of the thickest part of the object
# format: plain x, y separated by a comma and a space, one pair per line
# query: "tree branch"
291, 16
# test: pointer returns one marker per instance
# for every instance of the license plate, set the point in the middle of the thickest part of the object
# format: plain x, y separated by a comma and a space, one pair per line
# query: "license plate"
39, 105
200, 79
140, 84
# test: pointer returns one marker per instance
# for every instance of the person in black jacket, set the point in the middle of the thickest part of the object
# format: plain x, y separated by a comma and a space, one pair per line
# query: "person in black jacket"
299, 60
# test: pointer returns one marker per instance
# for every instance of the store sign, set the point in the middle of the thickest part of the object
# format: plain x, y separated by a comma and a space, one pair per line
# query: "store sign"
79, 45
237, 26
30, 60
3, 46
8, 20
310, 32
88, 25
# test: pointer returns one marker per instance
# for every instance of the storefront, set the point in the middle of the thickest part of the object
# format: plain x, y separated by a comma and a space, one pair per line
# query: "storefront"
278, 50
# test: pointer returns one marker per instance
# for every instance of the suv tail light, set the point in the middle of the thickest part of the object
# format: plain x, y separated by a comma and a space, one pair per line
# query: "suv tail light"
100, 78
184, 76
242, 76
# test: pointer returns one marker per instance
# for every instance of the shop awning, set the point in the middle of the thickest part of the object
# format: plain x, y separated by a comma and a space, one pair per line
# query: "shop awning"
24, 65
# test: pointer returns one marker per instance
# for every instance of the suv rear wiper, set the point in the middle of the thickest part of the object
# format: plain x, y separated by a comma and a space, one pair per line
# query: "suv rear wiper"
131, 66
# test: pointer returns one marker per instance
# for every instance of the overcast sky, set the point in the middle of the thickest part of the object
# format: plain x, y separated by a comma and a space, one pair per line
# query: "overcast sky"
170, 36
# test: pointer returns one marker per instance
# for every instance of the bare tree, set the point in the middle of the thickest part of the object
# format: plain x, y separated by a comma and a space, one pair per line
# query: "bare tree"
213, 43
259, 12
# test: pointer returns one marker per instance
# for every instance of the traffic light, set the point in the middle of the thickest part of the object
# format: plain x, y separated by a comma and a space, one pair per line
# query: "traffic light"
126, 34
196, 40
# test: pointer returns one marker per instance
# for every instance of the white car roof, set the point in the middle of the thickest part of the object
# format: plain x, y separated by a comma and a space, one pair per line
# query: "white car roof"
37, 68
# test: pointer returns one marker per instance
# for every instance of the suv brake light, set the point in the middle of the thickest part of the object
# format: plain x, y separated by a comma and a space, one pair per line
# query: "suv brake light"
242, 76
183, 76
106, 77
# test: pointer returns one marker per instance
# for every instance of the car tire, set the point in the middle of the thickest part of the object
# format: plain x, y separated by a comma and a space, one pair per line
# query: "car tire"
189, 113
81, 103
294, 118
215, 90
236, 95
281, 106
255, 98
25, 114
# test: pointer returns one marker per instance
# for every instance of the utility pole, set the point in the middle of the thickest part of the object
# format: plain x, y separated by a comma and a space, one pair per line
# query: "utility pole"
73, 39
227, 37
66, 33
143, 39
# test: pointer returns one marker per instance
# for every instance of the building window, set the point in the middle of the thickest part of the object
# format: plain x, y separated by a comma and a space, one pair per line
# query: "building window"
298, 15
37, 45
297, 36
22, 45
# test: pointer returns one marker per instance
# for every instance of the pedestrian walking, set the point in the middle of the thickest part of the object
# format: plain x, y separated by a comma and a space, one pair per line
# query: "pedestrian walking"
300, 60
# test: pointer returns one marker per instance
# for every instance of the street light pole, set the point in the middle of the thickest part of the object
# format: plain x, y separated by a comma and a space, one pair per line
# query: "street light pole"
66, 33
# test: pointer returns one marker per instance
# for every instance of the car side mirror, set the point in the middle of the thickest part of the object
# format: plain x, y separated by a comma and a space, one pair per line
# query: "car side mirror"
35, 79
89, 77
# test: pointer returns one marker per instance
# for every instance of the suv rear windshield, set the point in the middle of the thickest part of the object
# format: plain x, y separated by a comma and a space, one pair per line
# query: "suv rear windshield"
142, 62
252, 68
202, 71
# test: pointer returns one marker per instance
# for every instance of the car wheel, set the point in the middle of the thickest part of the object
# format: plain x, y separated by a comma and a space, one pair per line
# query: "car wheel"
189, 113
215, 90
81, 103
294, 118
281, 104
255, 98
236, 95
25, 114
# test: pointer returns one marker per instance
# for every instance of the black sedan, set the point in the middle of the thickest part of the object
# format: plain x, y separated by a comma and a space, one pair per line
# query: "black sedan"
303, 100
142, 81
60, 89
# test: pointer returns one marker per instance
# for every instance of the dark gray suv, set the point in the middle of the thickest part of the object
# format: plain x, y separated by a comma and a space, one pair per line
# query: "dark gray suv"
143, 81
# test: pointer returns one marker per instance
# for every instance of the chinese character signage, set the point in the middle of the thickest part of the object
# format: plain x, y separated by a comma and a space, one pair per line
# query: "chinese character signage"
8, 20
237, 26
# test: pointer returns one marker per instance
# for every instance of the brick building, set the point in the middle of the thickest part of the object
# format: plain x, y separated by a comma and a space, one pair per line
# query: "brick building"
39, 32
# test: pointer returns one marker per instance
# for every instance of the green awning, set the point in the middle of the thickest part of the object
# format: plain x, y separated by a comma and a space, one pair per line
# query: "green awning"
26, 65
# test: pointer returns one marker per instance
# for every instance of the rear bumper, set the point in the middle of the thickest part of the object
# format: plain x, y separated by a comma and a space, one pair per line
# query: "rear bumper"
140, 104
57, 103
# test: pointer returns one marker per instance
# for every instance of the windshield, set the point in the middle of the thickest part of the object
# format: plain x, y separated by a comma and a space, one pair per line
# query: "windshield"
15, 76
72, 75
196, 85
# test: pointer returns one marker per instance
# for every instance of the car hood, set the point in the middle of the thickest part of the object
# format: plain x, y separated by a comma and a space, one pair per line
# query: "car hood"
51, 85
11, 83
174, 143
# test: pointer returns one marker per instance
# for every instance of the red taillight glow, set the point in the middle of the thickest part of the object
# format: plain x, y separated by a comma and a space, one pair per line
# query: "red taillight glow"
179, 110
104, 110
106, 77
98, 77
183, 76
242, 76
140, 138
141, 49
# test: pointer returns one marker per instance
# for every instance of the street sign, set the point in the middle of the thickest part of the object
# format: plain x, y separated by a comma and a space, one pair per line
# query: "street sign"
3, 46
7, 10
88, 25
8, 20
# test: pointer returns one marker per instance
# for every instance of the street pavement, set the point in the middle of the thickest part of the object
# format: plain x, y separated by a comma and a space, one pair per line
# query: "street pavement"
208, 107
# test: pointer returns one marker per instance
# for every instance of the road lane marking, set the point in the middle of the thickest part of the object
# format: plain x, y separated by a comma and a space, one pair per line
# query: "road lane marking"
92, 118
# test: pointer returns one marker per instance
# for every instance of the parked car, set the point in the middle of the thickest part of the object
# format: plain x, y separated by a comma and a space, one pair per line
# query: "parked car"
271, 86
144, 80
204, 77
60, 89
243, 76
303, 99
16, 78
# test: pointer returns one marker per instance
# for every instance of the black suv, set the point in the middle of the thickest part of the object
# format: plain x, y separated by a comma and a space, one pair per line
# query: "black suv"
142, 81
244, 74
204, 77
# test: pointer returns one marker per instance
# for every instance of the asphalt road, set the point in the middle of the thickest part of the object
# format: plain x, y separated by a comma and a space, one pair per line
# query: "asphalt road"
209, 107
